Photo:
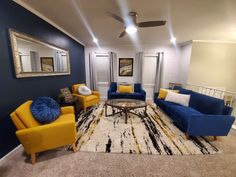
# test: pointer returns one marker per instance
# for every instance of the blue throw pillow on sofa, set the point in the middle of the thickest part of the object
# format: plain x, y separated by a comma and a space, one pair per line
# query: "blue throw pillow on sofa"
45, 109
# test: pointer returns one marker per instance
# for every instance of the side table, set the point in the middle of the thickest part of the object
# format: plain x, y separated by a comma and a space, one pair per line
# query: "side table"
73, 102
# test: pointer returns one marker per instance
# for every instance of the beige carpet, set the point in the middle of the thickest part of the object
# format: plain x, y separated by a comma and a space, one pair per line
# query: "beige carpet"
61, 163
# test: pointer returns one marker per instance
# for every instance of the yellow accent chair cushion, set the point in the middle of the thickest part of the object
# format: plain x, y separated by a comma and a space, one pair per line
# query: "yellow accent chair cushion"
125, 89
85, 101
36, 137
163, 93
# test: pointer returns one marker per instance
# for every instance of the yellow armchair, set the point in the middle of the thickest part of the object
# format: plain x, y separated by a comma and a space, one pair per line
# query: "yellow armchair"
36, 137
85, 101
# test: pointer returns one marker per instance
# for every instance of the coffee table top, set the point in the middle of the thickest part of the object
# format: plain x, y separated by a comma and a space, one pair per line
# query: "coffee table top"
126, 103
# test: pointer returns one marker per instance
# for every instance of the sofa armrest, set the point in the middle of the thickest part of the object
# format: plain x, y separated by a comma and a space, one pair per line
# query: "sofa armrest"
143, 92
155, 97
210, 125
109, 93
47, 136
67, 110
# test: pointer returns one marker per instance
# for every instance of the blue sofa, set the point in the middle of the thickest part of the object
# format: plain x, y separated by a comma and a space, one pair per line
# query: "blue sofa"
138, 94
205, 116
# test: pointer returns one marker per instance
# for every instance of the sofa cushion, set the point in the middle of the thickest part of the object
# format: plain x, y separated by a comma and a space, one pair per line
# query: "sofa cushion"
206, 104
182, 90
113, 87
134, 95
182, 115
45, 109
164, 105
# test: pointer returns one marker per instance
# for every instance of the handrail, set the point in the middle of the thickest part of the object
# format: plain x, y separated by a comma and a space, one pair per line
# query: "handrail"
230, 92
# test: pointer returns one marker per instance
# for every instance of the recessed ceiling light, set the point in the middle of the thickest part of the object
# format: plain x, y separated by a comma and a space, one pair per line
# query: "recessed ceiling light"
131, 29
173, 40
95, 40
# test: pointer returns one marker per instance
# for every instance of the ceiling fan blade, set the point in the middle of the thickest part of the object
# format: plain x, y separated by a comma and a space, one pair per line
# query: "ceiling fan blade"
122, 34
151, 24
118, 18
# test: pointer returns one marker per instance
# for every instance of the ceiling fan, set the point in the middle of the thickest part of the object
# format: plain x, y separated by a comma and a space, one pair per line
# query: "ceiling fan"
133, 27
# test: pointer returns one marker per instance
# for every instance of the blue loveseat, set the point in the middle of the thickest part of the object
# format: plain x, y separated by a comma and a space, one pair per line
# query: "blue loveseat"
205, 116
138, 94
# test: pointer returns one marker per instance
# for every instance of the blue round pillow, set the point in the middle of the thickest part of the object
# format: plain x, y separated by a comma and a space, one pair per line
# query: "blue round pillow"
45, 109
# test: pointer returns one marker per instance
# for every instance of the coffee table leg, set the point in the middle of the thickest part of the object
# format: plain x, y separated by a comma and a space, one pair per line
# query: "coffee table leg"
145, 111
126, 116
105, 110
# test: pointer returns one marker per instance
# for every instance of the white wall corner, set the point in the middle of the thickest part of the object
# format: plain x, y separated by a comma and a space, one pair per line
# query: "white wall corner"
184, 62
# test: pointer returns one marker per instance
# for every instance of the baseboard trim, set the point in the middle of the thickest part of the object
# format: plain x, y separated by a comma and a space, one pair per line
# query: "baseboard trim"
10, 154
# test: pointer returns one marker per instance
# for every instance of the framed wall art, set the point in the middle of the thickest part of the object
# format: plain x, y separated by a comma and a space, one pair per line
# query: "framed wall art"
126, 67
47, 64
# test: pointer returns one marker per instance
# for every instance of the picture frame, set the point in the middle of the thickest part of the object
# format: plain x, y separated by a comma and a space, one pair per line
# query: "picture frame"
126, 67
47, 64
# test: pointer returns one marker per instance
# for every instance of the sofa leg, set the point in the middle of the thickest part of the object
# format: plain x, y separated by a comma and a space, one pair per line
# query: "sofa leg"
33, 158
187, 136
215, 138
74, 147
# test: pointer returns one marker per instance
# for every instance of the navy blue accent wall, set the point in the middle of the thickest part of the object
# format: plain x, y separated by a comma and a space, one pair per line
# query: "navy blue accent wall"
14, 91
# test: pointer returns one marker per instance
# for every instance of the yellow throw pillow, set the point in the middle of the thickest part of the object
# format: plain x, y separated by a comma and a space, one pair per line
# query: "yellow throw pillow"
125, 89
163, 93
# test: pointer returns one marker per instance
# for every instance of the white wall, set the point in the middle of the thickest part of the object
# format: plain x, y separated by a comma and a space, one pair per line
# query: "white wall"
213, 65
171, 62
184, 62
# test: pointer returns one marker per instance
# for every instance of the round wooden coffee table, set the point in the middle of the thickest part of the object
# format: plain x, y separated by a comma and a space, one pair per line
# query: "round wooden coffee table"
125, 106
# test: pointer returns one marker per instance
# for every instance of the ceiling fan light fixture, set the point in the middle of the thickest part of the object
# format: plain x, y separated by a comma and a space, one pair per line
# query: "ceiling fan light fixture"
173, 40
131, 29
95, 40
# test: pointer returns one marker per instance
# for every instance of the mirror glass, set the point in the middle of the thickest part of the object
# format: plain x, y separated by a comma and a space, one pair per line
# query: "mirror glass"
33, 57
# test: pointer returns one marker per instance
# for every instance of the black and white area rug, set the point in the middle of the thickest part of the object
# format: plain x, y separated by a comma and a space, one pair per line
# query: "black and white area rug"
155, 134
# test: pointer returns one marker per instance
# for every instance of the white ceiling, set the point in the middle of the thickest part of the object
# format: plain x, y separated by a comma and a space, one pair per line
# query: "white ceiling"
187, 19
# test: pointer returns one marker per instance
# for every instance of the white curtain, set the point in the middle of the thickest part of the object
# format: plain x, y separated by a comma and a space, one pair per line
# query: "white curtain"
113, 76
58, 62
139, 70
34, 57
159, 72
92, 71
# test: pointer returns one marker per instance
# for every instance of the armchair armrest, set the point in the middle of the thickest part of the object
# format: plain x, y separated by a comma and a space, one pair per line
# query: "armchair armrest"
47, 136
210, 125
81, 98
67, 110
96, 93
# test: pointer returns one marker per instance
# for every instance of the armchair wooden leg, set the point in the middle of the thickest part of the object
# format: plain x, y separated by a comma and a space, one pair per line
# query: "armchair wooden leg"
187, 136
33, 158
215, 138
74, 147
